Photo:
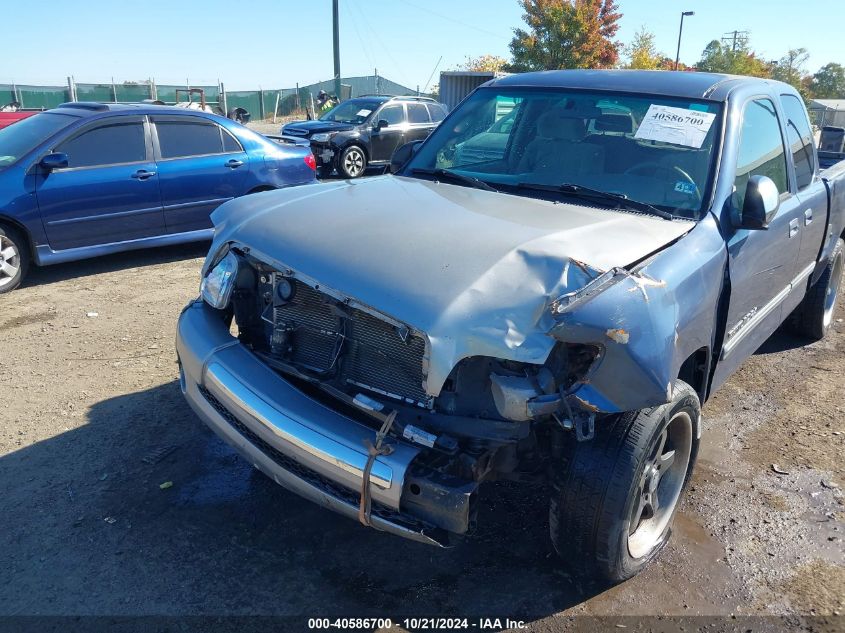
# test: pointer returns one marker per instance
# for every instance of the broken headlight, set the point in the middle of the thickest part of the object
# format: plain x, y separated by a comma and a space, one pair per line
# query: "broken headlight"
217, 285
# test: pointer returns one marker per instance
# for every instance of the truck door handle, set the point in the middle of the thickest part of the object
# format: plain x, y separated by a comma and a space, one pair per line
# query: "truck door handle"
793, 228
808, 217
234, 164
143, 174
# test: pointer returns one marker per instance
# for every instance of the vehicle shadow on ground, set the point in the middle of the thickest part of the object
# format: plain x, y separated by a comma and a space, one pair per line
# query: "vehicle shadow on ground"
102, 535
45, 275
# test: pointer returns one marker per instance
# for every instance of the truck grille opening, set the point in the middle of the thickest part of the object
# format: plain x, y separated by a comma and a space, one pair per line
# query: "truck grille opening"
319, 334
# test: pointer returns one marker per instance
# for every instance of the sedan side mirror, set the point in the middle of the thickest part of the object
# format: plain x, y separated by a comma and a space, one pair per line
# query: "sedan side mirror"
762, 200
402, 155
56, 160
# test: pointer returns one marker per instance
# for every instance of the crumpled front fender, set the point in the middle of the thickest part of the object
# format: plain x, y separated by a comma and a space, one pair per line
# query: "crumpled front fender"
647, 322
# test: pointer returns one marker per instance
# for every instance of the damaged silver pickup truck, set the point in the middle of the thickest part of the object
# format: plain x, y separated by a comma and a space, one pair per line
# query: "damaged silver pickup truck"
551, 306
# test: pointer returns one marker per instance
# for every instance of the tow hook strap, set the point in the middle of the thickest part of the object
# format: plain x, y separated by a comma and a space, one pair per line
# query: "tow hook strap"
373, 451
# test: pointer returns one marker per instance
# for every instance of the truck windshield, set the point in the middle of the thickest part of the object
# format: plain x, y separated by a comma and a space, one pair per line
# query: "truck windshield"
22, 137
354, 111
653, 150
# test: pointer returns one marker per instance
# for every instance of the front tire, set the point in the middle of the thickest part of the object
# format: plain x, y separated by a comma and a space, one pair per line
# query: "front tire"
814, 316
14, 259
615, 498
352, 162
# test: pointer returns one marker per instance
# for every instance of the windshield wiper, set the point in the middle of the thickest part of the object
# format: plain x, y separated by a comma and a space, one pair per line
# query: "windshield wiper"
453, 175
619, 199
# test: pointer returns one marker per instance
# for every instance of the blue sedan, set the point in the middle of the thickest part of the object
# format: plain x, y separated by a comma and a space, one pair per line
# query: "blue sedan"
88, 179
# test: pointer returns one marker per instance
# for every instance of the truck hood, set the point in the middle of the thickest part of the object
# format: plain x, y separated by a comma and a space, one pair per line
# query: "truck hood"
307, 128
474, 271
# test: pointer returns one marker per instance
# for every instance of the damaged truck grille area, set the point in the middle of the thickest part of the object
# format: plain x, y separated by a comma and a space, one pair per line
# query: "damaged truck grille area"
318, 334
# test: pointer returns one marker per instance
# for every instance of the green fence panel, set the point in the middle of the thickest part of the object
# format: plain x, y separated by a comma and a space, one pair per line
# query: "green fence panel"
247, 99
7, 94
94, 92
39, 96
133, 93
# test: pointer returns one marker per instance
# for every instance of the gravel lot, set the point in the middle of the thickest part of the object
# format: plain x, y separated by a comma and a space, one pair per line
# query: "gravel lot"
94, 423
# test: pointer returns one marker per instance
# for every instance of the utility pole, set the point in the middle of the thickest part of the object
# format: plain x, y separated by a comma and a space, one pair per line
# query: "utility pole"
680, 33
336, 39
735, 38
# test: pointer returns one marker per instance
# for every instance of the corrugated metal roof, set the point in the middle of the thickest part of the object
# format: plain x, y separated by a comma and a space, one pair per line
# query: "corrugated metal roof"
827, 104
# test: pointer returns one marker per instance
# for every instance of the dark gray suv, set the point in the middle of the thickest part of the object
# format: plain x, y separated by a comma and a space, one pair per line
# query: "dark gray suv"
365, 131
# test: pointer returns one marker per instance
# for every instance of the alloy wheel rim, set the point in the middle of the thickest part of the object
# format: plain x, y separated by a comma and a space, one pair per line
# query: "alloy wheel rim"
832, 291
660, 485
10, 261
354, 162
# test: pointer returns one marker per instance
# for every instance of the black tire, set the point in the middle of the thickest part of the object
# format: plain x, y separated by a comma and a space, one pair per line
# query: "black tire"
814, 315
14, 258
352, 162
238, 114
595, 491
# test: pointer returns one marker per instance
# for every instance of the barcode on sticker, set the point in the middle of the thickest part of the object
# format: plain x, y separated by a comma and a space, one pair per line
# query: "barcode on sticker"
419, 436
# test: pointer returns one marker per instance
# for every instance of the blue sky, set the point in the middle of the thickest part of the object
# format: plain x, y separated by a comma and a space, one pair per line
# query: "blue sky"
277, 43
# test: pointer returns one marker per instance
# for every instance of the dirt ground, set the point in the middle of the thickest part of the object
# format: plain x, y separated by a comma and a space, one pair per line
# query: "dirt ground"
93, 423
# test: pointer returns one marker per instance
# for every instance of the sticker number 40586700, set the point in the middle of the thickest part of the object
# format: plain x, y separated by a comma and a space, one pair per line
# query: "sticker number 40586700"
678, 126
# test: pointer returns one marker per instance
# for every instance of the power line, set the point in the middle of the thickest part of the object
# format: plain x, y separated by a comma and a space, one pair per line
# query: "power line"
451, 19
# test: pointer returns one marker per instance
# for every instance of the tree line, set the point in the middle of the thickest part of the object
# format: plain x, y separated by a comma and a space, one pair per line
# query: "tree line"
581, 34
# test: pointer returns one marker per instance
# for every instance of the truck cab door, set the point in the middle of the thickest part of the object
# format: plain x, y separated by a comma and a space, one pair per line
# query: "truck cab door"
810, 189
761, 263
384, 140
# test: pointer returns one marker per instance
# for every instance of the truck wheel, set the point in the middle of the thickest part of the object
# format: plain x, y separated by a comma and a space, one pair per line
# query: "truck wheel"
352, 162
615, 498
14, 259
813, 317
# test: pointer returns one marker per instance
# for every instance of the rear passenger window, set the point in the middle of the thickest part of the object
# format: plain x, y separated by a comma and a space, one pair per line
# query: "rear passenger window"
800, 139
230, 143
436, 111
760, 148
107, 145
179, 139
417, 113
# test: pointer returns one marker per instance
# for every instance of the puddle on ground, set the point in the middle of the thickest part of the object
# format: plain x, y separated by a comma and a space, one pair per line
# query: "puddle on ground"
226, 477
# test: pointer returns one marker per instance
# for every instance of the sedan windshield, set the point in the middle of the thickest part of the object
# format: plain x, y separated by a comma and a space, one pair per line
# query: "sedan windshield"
653, 151
25, 135
354, 111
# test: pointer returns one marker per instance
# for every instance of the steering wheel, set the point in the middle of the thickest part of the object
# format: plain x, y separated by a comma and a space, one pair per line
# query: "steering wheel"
651, 167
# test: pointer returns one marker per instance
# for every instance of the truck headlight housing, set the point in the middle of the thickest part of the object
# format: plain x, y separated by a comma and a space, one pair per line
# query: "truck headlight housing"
321, 138
217, 285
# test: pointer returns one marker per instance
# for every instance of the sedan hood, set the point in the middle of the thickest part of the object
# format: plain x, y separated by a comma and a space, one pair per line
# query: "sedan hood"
307, 128
475, 271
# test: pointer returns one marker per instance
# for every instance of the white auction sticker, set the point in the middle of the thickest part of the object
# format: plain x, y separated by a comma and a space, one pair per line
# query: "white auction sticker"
678, 126
419, 436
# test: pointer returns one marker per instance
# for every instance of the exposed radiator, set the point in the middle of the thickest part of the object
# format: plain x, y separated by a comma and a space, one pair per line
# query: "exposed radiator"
314, 331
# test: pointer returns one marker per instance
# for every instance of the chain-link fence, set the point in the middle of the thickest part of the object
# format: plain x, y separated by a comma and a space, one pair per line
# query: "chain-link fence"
260, 104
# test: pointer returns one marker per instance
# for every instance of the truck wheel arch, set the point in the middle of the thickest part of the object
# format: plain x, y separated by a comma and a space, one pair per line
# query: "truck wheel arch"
695, 371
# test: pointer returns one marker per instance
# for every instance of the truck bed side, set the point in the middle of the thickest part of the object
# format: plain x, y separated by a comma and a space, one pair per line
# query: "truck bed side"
834, 179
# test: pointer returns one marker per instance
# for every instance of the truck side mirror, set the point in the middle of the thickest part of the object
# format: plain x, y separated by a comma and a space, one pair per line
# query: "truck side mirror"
402, 155
55, 160
762, 200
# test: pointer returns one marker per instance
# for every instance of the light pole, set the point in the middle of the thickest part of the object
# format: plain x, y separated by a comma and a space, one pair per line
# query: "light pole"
680, 33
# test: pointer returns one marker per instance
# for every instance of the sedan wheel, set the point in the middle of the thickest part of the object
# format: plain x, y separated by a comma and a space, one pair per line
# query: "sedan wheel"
13, 260
353, 163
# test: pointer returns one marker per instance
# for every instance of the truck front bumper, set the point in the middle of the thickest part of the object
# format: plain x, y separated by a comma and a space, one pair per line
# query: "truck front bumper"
297, 441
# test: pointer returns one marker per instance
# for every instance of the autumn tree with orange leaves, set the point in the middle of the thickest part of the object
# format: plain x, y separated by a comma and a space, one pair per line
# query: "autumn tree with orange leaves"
566, 34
